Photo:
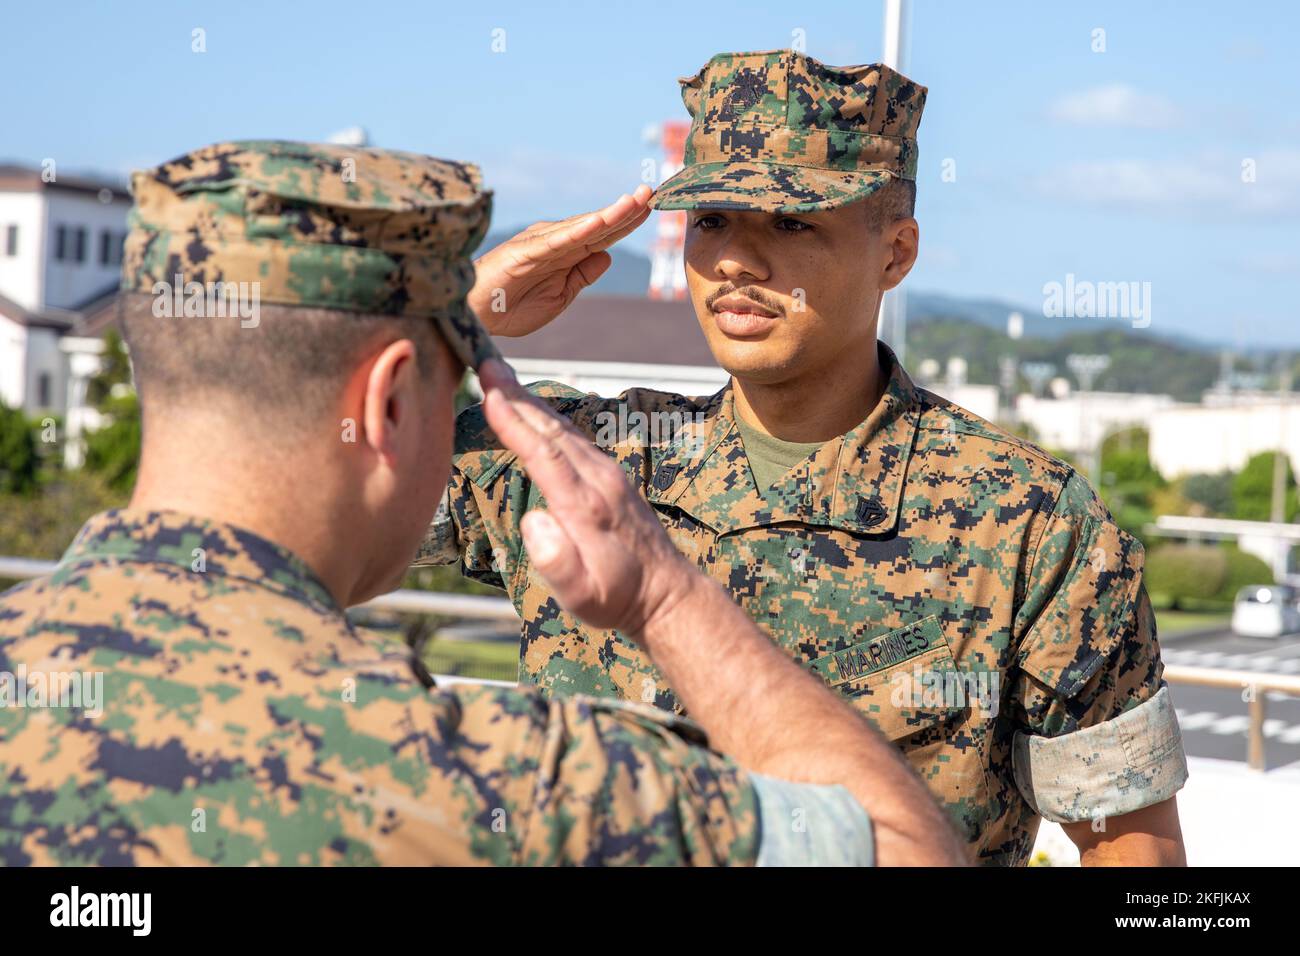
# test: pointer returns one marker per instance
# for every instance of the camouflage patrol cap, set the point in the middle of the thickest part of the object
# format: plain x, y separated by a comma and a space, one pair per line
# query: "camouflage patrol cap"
778, 131
335, 227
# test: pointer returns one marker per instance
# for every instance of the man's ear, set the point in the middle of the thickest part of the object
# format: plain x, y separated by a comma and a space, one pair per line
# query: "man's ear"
903, 241
389, 414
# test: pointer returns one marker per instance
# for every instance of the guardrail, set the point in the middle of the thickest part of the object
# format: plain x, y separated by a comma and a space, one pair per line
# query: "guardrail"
500, 609
1259, 685
414, 602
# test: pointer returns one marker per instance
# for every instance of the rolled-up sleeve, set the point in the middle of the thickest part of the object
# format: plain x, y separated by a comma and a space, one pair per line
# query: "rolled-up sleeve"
806, 824
1097, 733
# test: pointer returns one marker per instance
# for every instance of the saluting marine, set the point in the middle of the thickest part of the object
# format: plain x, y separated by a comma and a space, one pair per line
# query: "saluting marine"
964, 590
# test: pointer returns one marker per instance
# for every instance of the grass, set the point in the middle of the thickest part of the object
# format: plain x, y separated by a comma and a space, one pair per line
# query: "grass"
489, 660
1180, 622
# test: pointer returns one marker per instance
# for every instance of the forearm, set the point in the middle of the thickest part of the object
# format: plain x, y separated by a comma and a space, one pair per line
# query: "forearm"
1151, 836
775, 718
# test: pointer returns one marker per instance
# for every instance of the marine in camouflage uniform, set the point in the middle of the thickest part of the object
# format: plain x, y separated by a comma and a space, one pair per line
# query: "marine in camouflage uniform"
242, 718
967, 592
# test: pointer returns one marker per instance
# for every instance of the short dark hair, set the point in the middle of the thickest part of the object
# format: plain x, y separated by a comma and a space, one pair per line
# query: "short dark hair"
289, 366
894, 201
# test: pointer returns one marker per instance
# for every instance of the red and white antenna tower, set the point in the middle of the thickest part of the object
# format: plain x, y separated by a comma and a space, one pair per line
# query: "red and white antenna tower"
667, 270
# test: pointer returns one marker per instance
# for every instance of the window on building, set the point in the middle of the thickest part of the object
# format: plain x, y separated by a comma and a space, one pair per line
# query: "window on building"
61, 243
43, 390
110, 251
79, 244
11, 239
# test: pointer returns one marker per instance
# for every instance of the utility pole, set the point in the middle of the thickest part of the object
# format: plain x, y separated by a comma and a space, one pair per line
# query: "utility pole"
892, 325
1086, 368
1282, 457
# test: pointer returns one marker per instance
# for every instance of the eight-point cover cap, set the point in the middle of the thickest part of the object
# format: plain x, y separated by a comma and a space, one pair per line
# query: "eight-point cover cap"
335, 227
778, 131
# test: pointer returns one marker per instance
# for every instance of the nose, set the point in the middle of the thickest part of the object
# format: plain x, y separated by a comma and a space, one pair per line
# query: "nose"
740, 260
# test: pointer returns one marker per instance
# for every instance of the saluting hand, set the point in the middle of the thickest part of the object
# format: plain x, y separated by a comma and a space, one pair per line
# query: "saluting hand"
598, 545
531, 278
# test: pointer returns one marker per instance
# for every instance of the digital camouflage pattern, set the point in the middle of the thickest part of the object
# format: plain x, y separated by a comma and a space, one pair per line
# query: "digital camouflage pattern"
923, 552
337, 227
778, 131
246, 722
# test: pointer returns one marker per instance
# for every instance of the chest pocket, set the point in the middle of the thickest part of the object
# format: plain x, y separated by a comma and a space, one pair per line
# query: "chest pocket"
904, 680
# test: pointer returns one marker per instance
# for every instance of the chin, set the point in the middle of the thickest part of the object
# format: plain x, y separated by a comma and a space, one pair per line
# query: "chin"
757, 361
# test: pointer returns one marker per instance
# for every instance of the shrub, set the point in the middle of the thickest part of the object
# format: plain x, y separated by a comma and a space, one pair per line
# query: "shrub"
1177, 573
19, 461
1243, 569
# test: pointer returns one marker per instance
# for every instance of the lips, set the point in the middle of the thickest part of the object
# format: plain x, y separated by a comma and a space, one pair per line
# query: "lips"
743, 324
742, 317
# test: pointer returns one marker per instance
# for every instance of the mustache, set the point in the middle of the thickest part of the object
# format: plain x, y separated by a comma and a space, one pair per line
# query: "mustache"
753, 293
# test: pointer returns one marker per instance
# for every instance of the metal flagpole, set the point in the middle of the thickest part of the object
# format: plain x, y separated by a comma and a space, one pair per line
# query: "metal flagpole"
892, 326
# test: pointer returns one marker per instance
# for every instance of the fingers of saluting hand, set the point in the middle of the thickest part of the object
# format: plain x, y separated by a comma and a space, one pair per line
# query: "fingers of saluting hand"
593, 231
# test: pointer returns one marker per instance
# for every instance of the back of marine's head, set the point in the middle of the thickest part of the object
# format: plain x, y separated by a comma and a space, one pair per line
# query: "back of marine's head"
301, 307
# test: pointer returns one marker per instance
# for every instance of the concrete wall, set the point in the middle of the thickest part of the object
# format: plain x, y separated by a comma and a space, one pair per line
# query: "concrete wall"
45, 358
1198, 438
981, 400
1079, 422
20, 274
13, 363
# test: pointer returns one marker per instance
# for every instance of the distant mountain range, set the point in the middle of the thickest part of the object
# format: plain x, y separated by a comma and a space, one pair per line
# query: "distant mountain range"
940, 326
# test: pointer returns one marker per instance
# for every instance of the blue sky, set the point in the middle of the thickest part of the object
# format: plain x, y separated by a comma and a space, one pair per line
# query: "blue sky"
1124, 165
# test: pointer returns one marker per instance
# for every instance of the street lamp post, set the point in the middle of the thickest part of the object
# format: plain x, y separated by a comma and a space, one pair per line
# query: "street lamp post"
1086, 368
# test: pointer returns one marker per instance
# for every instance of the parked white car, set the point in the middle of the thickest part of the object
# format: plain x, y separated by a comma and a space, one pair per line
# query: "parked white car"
1265, 610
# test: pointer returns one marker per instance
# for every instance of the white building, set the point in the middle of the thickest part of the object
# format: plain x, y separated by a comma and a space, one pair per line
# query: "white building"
1080, 421
1223, 437
33, 371
982, 400
60, 254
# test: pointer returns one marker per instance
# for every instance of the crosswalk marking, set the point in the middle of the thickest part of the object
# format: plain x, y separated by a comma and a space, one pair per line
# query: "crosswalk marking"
1230, 726
1212, 722
1197, 720
1245, 662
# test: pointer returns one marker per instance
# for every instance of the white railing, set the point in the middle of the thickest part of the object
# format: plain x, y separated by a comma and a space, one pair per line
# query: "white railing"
415, 602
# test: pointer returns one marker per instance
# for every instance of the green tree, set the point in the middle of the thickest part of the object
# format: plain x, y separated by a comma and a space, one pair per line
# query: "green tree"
113, 450
115, 369
1129, 481
1212, 491
1252, 490
19, 460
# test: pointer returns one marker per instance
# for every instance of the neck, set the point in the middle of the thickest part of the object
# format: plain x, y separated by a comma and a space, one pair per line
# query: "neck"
816, 406
246, 486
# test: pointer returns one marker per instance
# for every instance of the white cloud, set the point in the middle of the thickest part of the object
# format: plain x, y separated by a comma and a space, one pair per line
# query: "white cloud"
1211, 183
529, 183
1115, 105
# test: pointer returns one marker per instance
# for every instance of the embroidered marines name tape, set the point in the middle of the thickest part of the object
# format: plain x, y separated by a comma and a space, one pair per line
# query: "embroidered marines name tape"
879, 652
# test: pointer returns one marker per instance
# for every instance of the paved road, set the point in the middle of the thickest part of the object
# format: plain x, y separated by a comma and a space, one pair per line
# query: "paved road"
1214, 721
